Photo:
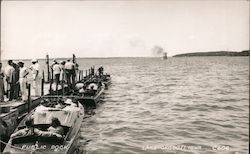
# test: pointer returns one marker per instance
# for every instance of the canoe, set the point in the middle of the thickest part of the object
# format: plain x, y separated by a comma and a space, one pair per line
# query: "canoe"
70, 116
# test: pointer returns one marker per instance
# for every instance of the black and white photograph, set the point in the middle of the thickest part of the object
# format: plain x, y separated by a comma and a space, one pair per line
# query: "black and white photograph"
124, 76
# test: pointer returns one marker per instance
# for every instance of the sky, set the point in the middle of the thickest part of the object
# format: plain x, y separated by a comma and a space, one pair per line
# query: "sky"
100, 28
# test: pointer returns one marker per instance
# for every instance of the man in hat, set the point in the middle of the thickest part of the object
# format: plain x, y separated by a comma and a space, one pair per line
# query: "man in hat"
23, 81
37, 76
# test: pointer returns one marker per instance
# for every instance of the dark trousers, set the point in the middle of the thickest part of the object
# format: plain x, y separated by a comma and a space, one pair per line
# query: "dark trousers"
16, 90
57, 78
70, 76
11, 91
2, 91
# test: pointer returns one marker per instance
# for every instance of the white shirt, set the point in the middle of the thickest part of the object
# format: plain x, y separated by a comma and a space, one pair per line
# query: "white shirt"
56, 69
36, 67
23, 72
69, 65
8, 70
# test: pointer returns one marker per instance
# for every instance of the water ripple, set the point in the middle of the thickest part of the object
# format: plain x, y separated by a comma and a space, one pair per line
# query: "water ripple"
155, 105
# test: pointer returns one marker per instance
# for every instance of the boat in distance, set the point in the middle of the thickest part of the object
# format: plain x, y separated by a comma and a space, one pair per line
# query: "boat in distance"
68, 112
165, 56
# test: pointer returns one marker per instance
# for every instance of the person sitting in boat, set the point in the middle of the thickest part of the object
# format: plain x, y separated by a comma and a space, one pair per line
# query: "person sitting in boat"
60, 105
30, 130
80, 87
56, 127
92, 86
71, 106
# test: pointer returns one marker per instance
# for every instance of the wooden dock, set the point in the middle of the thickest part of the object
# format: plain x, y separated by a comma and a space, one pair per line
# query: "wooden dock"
11, 112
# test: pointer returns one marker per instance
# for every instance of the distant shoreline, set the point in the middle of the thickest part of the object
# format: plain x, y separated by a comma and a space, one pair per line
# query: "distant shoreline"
193, 54
215, 53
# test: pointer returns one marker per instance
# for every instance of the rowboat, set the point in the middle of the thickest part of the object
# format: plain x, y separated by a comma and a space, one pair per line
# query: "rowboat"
89, 93
70, 117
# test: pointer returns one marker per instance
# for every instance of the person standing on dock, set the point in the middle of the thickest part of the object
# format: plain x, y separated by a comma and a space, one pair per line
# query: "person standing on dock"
69, 70
15, 79
37, 77
100, 70
56, 72
23, 81
52, 70
62, 73
8, 71
2, 91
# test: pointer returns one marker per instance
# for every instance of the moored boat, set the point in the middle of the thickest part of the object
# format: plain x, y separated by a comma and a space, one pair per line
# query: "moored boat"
70, 116
89, 93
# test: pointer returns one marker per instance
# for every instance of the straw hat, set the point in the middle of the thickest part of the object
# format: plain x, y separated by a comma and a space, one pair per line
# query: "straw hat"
34, 60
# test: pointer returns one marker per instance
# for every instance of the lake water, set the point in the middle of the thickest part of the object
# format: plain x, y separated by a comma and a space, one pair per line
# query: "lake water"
179, 105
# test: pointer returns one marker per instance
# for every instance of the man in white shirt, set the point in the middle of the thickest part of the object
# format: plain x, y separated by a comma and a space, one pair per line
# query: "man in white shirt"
56, 72
23, 81
37, 76
62, 74
8, 72
70, 70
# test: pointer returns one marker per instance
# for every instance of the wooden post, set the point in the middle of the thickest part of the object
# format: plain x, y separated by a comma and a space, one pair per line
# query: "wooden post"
74, 58
29, 100
79, 75
52, 75
50, 86
42, 87
62, 87
47, 62
56, 87
82, 75
62, 82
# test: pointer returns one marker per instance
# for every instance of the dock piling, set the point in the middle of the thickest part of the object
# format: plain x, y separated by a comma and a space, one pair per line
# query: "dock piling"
29, 99
79, 75
47, 62
42, 87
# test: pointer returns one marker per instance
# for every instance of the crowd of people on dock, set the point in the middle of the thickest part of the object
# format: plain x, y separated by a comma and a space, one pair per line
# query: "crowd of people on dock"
64, 71
14, 77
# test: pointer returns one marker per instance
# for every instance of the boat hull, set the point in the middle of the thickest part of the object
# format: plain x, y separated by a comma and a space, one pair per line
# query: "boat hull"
34, 144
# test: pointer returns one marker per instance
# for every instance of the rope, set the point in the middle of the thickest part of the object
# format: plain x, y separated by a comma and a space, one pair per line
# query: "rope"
17, 147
